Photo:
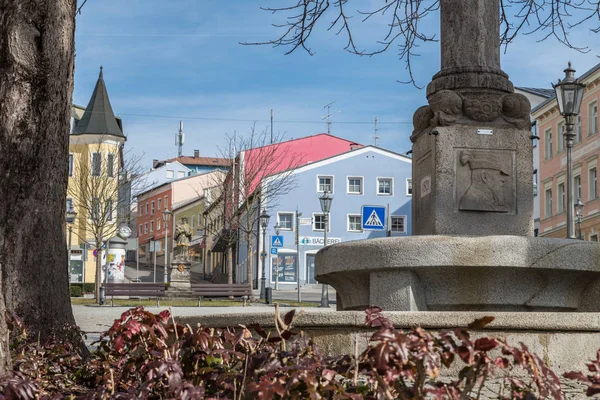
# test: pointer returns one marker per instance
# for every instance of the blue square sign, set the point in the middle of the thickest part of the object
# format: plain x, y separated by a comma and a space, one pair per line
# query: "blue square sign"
373, 218
274, 251
276, 241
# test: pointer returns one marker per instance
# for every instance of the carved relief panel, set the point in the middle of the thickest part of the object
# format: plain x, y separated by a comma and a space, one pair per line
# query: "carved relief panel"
485, 180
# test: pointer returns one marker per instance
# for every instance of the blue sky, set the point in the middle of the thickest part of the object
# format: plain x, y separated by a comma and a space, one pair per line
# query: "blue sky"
166, 61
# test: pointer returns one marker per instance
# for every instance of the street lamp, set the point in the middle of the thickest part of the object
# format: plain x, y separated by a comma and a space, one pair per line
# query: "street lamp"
325, 208
264, 222
166, 215
569, 94
277, 228
579, 214
71, 215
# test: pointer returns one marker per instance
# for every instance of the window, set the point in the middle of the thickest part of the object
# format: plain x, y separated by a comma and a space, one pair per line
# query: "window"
594, 237
158, 224
398, 223
95, 208
593, 118
169, 174
159, 203
110, 163
548, 203
578, 130
146, 227
151, 226
593, 179
577, 187
141, 230
560, 207
325, 183
535, 182
96, 164
285, 221
319, 222
354, 223
355, 185
193, 222
560, 141
71, 164
534, 133
108, 207
385, 186
166, 202
548, 144
409, 186
146, 212
152, 207
180, 174
69, 204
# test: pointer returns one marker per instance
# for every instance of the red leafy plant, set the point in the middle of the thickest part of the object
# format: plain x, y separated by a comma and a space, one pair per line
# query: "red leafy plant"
149, 356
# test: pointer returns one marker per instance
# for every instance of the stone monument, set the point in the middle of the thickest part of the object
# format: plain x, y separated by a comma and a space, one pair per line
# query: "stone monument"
180, 279
473, 247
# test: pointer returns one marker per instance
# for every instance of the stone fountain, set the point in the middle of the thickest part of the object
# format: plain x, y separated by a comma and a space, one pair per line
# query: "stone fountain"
473, 247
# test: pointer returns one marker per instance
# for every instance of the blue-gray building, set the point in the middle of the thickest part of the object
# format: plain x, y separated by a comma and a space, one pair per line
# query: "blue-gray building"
367, 176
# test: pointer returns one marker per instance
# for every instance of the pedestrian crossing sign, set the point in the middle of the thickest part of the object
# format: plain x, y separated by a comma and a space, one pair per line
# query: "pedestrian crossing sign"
373, 218
276, 241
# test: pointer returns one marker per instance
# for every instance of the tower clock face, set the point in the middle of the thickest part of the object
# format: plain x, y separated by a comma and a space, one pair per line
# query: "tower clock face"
124, 231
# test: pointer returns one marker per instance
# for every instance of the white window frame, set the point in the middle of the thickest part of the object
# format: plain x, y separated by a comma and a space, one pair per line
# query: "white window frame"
145, 227
180, 174
146, 210
407, 186
384, 178
560, 197
166, 202
331, 184
314, 222
92, 170
158, 224
548, 144
592, 183
362, 185
578, 136
110, 167
152, 226
170, 172
279, 214
592, 118
405, 218
547, 203
560, 139
359, 223
108, 207
152, 207
577, 192
71, 164
141, 229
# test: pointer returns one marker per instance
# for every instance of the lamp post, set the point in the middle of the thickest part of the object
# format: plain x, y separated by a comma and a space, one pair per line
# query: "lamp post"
71, 215
277, 228
264, 222
579, 214
325, 208
166, 217
569, 94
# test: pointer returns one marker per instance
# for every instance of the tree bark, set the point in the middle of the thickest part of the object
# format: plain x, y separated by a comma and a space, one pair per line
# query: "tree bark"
36, 85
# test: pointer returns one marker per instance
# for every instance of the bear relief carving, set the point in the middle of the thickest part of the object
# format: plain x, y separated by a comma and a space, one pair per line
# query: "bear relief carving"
489, 180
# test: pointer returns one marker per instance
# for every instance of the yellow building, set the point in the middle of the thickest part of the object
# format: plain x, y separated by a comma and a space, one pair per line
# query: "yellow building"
94, 190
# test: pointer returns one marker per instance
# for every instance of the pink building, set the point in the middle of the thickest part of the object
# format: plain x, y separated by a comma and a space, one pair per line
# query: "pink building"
551, 180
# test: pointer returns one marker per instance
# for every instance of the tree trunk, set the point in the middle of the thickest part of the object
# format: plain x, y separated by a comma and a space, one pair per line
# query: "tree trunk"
230, 267
98, 273
249, 264
36, 85
5, 361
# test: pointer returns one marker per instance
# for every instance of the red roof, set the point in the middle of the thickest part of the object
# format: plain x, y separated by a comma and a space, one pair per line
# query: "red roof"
294, 153
210, 161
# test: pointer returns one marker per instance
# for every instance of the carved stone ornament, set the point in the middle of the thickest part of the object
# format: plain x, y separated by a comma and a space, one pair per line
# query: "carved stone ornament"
181, 268
446, 106
483, 110
489, 180
516, 109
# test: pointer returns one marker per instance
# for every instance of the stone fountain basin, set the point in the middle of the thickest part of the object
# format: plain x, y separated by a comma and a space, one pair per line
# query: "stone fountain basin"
463, 273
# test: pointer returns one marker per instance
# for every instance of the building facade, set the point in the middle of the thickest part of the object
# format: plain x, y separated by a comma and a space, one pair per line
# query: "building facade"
553, 166
367, 176
94, 188
164, 173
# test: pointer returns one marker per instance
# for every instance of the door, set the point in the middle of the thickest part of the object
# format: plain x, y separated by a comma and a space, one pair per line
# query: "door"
310, 269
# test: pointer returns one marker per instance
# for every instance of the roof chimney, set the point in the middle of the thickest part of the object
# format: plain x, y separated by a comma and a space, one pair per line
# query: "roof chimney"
154, 163
354, 146
196, 153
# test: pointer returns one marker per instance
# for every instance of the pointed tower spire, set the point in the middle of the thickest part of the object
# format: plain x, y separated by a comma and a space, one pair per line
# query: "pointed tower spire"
98, 117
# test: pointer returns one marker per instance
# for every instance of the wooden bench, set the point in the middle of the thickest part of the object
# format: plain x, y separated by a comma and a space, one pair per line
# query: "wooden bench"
142, 289
200, 290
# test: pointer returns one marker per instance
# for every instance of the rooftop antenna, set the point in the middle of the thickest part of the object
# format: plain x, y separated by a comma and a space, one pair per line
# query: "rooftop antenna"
375, 131
271, 126
328, 116
179, 139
